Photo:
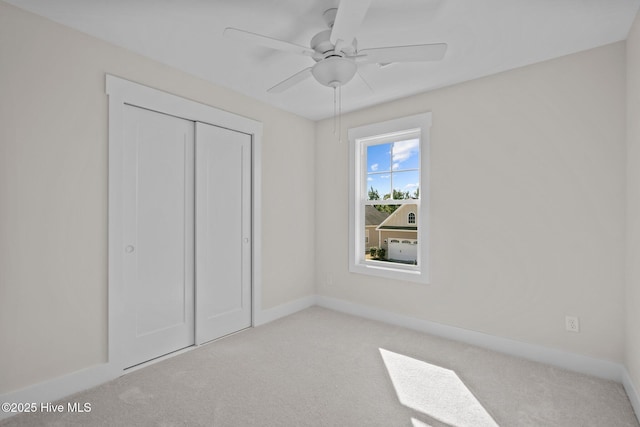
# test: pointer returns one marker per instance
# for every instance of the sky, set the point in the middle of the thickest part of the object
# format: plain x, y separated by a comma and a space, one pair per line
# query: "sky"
394, 165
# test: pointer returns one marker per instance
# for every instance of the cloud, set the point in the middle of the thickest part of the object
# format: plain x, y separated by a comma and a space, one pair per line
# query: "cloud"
395, 166
403, 150
374, 167
416, 185
369, 179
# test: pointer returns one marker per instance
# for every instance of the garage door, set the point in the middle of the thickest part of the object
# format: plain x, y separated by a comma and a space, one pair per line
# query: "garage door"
403, 249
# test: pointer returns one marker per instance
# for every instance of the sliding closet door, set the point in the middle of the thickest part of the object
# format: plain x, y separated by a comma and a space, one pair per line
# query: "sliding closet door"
223, 232
158, 219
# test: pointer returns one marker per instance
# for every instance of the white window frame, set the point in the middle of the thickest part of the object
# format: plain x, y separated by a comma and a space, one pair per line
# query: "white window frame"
388, 131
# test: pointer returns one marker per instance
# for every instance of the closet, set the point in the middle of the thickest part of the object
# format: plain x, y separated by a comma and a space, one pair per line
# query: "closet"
183, 238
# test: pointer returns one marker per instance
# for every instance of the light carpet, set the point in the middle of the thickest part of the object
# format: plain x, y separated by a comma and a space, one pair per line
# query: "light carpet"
323, 368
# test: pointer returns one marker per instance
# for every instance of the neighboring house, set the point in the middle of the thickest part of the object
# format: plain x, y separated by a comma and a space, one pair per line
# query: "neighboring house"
399, 234
372, 219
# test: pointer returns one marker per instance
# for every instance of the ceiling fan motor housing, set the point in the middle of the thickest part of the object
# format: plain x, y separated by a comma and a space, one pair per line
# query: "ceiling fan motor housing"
332, 67
321, 43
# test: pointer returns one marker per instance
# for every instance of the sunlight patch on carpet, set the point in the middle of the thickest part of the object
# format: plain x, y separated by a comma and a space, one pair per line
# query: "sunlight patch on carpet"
434, 391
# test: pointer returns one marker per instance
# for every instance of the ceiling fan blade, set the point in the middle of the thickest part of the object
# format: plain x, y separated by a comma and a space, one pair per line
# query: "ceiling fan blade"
265, 41
366, 83
420, 52
348, 20
291, 81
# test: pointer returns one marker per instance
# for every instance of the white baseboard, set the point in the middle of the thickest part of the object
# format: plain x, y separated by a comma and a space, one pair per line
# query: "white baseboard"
282, 310
58, 388
75, 382
632, 392
570, 361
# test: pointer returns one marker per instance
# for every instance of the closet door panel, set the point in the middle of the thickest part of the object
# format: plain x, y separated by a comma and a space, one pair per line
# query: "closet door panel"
223, 232
158, 234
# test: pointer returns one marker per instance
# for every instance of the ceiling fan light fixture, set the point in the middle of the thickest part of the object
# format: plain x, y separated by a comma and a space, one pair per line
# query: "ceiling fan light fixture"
334, 71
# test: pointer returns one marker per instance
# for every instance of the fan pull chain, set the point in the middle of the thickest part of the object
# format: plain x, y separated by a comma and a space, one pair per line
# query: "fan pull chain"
337, 111
340, 113
334, 110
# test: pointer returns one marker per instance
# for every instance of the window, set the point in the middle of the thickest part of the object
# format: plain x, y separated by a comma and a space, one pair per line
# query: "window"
389, 173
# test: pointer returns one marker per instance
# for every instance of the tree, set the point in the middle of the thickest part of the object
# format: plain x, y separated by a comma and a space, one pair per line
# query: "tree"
400, 195
397, 195
386, 208
373, 194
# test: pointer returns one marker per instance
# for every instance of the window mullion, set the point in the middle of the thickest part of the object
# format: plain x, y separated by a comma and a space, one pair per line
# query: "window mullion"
391, 170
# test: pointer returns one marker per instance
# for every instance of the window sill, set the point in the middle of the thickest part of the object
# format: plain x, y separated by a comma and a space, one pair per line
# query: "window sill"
404, 272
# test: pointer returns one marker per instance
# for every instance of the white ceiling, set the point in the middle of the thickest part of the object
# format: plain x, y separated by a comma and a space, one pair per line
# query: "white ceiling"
484, 37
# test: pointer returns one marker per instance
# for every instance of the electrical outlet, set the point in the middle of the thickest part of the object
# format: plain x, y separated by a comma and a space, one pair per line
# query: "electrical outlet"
572, 324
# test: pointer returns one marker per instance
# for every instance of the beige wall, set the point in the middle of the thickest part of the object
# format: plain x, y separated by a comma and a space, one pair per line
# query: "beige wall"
527, 205
633, 203
53, 192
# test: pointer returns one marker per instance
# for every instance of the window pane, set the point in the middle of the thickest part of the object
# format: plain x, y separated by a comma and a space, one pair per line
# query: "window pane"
378, 185
379, 158
405, 185
392, 237
406, 154
393, 170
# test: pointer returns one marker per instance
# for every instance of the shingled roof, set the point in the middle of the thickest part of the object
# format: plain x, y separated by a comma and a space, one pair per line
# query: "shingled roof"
373, 216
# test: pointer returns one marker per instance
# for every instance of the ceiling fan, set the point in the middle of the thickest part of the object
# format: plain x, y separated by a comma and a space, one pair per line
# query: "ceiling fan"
335, 50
